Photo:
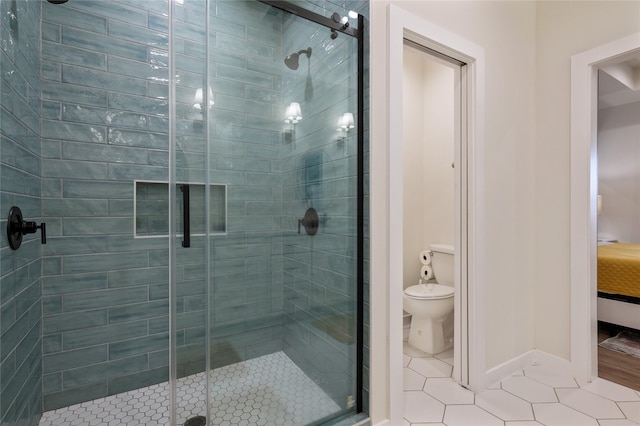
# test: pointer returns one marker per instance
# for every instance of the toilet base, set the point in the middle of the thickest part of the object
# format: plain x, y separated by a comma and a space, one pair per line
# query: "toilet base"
427, 334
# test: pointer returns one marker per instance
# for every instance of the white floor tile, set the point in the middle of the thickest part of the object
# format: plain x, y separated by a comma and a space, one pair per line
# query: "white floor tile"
271, 389
589, 403
413, 351
495, 386
405, 360
421, 408
556, 414
447, 391
446, 356
550, 378
631, 410
504, 405
610, 390
412, 380
550, 397
617, 422
469, 415
430, 367
529, 389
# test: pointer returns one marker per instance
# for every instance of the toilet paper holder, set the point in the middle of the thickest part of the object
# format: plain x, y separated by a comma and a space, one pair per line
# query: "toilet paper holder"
310, 221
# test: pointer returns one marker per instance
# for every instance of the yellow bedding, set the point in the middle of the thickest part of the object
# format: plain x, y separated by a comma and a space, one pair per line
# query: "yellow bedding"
619, 269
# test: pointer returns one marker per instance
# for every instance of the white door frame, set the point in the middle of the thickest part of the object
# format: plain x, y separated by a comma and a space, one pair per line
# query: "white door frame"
469, 348
584, 187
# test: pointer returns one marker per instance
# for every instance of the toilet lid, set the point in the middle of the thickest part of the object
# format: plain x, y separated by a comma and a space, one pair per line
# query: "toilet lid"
429, 291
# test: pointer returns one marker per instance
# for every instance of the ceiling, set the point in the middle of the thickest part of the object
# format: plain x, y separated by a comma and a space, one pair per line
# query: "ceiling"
619, 84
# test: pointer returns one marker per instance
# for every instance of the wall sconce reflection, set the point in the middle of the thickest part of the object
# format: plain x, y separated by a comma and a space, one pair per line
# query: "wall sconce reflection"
345, 124
292, 115
198, 99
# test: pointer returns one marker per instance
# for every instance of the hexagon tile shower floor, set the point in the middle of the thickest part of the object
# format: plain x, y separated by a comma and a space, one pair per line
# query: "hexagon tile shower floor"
267, 390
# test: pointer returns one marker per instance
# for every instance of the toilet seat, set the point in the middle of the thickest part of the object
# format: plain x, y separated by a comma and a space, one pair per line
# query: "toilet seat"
429, 291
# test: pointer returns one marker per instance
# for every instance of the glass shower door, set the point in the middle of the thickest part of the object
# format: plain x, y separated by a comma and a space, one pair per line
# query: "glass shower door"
283, 276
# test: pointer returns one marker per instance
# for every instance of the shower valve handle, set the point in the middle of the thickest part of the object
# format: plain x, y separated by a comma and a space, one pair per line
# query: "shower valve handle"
32, 227
17, 227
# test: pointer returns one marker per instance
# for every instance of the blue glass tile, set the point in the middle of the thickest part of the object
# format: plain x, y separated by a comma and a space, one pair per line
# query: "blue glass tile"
56, 52
97, 189
50, 32
103, 44
73, 396
104, 334
73, 169
71, 17
60, 323
125, 278
103, 80
58, 285
140, 345
73, 358
66, 92
138, 34
98, 152
102, 372
104, 262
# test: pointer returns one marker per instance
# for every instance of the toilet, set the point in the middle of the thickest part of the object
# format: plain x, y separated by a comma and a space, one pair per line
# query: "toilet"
431, 304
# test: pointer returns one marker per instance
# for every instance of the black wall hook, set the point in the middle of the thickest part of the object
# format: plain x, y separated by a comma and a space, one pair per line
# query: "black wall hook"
17, 227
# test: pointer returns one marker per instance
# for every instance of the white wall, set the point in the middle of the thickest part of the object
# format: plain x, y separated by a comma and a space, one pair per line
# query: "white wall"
506, 30
564, 28
428, 153
619, 172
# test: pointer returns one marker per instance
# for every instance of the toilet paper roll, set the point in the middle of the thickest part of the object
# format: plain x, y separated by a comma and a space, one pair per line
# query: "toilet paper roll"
426, 272
425, 257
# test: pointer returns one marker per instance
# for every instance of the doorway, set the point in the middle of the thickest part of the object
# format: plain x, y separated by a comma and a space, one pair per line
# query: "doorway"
618, 224
584, 198
470, 353
431, 196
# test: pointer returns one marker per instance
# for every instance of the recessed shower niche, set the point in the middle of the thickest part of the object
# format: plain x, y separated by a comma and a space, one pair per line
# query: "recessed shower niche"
151, 209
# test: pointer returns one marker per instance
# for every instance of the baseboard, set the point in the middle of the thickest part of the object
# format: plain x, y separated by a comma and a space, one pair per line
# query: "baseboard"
527, 359
406, 326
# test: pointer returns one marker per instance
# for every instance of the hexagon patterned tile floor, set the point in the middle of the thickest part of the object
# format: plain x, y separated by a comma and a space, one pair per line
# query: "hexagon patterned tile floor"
537, 395
269, 390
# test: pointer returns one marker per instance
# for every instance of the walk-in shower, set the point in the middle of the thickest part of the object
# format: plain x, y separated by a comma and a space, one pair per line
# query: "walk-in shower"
200, 266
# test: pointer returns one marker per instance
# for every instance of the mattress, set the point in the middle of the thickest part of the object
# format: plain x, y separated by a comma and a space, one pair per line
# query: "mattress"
619, 269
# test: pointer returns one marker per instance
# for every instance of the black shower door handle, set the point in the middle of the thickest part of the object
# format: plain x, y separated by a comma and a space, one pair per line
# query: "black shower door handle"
186, 224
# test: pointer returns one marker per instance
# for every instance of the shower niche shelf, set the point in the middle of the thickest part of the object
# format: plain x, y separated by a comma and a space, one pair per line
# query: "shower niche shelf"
151, 209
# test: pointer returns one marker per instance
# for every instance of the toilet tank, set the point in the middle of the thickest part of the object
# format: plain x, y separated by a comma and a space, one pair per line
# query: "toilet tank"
442, 263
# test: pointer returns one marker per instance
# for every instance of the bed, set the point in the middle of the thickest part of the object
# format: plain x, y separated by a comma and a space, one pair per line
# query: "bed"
619, 284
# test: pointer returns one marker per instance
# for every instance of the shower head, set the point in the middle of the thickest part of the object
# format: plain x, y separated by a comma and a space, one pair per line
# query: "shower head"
291, 61
57, 1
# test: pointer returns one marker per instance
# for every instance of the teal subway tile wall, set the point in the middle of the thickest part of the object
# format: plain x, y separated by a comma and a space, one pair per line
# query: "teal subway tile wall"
20, 185
106, 303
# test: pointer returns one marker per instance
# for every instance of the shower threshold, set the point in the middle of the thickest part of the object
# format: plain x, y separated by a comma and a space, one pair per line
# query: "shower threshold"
268, 390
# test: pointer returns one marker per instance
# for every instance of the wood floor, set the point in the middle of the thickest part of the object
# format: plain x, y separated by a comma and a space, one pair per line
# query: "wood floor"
615, 366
